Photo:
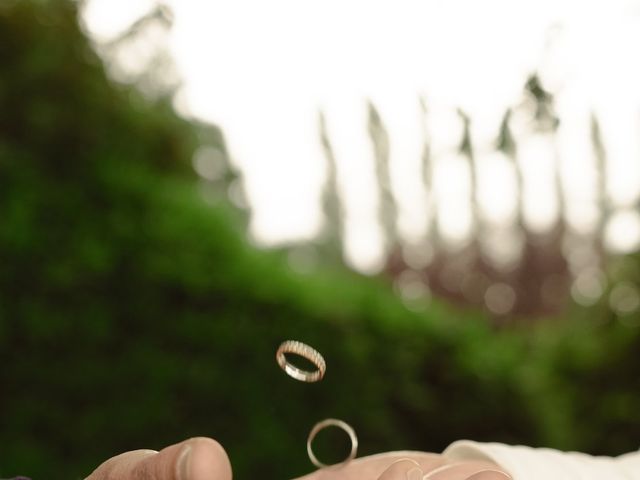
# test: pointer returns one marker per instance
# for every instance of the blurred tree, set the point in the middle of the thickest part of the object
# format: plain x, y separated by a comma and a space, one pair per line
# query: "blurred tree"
333, 234
466, 150
433, 236
507, 144
387, 209
603, 202
146, 40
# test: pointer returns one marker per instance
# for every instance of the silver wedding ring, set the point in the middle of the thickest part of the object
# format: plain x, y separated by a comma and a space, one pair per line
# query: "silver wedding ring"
332, 422
302, 350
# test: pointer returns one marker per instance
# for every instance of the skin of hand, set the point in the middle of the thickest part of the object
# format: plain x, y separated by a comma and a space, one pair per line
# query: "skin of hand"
204, 459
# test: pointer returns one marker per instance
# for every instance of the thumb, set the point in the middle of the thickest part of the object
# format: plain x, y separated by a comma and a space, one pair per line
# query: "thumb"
194, 459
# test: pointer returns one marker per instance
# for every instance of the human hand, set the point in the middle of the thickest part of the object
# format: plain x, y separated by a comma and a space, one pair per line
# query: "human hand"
198, 458
204, 459
409, 466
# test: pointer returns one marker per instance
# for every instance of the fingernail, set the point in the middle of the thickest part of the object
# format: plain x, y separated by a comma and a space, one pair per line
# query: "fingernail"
403, 469
415, 474
489, 475
183, 463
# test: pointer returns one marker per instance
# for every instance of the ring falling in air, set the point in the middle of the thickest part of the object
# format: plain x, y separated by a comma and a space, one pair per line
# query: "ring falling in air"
305, 351
332, 422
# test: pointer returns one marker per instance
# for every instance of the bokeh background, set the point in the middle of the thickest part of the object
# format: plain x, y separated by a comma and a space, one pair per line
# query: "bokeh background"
461, 251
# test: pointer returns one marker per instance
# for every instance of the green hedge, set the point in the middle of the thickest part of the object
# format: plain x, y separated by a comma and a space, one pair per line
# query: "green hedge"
134, 314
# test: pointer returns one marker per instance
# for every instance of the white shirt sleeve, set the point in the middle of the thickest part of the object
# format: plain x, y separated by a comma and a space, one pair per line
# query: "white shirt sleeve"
526, 463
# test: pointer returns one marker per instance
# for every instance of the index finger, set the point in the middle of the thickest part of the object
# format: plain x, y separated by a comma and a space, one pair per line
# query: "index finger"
373, 466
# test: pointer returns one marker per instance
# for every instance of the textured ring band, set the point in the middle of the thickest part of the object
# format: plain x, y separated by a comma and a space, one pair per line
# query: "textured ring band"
303, 350
332, 422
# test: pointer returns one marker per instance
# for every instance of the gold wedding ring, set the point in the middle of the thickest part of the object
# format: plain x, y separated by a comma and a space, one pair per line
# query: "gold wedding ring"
302, 350
332, 422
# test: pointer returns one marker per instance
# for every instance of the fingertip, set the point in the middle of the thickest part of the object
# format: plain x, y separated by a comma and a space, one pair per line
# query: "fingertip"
490, 475
203, 458
403, 469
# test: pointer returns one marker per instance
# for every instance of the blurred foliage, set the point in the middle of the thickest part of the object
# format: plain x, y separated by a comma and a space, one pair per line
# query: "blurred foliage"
134, 314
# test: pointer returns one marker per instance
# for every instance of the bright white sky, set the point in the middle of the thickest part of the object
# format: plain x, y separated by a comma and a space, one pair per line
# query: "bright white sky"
263, 69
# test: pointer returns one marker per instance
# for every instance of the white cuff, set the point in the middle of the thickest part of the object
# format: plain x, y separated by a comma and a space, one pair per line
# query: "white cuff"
526, 463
